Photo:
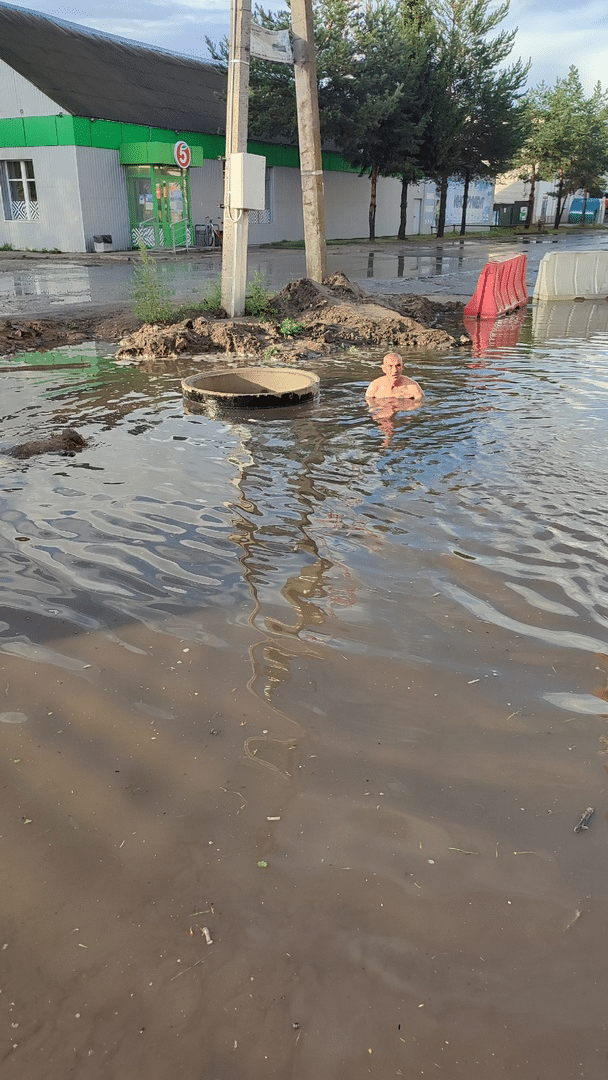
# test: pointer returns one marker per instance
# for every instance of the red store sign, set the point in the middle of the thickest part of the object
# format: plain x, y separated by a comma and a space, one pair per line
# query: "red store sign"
182, 154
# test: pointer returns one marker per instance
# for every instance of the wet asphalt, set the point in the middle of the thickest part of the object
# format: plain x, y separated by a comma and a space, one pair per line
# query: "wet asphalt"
68, 285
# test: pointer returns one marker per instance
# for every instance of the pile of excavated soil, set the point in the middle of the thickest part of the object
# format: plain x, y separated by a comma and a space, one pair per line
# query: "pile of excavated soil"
323, 318
330, 316
41, 335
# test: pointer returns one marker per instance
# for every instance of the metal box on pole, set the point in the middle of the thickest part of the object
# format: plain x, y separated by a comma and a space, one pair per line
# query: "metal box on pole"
247, 182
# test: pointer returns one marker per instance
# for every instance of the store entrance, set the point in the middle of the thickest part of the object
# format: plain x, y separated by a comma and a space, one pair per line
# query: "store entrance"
159, 206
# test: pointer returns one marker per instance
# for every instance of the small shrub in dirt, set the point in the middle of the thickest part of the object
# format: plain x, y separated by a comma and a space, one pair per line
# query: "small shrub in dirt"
257, 296
151, 297
212, 295
289, 327
271, 351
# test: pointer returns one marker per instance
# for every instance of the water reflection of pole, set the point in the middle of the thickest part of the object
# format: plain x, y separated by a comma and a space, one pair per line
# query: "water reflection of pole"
271, 663
370, 264
400, 265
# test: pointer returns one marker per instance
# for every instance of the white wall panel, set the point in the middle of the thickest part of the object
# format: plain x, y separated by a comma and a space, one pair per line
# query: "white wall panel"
207, 189
19, 97
103, 197
60, 224
346, 204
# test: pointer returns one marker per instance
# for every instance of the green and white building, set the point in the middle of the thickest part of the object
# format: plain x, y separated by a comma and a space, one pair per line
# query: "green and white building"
100, 136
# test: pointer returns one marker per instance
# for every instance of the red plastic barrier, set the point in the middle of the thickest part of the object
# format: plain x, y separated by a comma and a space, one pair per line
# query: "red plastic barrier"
501, 288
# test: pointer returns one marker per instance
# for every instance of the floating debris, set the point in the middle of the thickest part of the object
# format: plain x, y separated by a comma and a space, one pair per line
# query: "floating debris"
589, 812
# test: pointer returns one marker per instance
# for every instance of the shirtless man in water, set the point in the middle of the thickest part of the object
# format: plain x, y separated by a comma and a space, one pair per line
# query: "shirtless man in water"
393, 384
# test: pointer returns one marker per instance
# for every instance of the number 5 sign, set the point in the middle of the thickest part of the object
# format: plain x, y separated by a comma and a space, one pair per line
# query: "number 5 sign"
182, 154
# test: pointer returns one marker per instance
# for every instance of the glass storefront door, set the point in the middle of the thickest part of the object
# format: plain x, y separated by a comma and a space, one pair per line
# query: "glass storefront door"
159, 206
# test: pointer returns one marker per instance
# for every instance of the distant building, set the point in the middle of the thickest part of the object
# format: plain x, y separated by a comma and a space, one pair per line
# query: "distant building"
100, 136
511, 201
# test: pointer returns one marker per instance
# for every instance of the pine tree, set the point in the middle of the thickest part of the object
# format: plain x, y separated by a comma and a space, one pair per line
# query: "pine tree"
567, 140
472, 94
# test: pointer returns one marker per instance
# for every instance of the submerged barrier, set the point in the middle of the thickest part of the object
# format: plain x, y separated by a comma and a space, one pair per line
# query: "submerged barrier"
501, 288
572, 275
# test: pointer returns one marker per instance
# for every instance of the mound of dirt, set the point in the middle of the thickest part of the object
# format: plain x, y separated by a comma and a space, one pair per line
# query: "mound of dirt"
329, 316
67, 442
324, 317
305, 295
41, 335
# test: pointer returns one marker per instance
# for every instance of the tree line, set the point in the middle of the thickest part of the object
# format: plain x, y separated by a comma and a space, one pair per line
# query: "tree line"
422, 90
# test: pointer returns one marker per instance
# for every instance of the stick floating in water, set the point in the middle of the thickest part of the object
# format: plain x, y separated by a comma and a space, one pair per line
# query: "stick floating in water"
589, 812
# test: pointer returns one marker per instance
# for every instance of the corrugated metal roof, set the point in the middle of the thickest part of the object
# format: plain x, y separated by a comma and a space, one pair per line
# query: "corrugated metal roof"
93, 74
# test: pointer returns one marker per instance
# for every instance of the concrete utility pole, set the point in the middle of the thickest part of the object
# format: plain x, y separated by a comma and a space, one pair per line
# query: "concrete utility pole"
236, 222
309, 135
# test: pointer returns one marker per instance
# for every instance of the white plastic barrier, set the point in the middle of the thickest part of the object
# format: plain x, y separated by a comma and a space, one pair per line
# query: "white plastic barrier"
572, 275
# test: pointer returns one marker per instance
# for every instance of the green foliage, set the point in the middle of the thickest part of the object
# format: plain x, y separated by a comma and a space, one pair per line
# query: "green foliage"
289, 327
567, 139
270, 351
476, 112
376, 107
212, 295
151, 297
7, 247
257, 296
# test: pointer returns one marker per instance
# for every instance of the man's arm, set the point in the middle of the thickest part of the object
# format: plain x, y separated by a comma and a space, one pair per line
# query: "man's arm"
416, 391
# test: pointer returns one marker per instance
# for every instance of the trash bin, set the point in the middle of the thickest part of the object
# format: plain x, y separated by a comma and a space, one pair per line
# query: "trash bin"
102, 243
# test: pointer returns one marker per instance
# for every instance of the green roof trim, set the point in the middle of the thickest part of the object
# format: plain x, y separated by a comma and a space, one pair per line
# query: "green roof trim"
154, 153
63, 130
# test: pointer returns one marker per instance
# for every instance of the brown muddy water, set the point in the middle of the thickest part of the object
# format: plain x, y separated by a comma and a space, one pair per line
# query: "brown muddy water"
328, 691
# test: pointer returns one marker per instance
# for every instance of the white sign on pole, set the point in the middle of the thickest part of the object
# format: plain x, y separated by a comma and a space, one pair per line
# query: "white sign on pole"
271, 44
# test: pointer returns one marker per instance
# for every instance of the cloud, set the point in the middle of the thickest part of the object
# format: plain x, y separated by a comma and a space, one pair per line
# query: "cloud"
560, 34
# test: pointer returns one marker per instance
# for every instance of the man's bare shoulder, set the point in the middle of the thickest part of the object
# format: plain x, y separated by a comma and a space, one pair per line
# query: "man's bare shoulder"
375, 388
410, 388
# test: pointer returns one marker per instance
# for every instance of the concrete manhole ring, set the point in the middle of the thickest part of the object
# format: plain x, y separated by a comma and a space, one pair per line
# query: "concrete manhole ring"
252, 387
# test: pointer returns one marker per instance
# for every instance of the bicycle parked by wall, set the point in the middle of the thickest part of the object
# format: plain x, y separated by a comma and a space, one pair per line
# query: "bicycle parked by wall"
208, 235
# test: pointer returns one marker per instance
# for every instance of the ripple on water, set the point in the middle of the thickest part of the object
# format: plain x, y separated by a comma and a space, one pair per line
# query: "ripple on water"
324, 521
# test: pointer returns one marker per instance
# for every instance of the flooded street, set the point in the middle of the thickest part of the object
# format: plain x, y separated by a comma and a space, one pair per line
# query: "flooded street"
299, 712
62, 285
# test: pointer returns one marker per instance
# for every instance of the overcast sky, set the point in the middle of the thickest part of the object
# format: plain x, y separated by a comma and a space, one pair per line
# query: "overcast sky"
554, 34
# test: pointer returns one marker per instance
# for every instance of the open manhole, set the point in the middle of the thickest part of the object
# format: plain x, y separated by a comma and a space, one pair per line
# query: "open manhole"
252, 387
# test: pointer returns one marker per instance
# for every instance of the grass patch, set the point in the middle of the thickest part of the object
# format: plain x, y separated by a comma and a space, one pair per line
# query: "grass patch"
258, 299
151, 297
289, 244
212, 295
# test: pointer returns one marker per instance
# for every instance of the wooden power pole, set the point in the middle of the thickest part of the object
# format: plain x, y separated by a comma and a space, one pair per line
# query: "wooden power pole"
309, 135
